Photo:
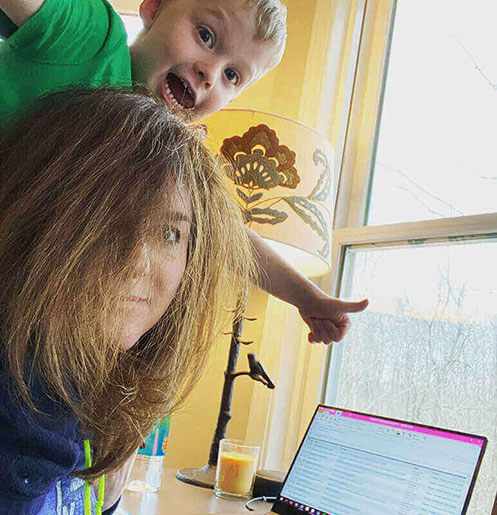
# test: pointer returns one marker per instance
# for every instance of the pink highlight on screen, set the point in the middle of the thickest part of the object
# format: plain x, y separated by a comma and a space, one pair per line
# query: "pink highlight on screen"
403, 425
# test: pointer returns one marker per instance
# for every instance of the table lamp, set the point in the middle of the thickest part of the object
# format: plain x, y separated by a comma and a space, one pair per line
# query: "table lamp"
280, 172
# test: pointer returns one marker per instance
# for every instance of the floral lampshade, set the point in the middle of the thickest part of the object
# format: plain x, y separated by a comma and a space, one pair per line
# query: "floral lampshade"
282, 179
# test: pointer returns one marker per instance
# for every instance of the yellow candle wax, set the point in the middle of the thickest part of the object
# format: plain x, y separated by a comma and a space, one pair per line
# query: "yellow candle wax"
236, 473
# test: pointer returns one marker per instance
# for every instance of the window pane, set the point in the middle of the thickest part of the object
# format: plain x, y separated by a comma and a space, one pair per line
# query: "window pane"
436, 153
133, 25
426, 349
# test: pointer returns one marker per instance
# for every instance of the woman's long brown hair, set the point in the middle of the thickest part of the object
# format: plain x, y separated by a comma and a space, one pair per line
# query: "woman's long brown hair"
83, 179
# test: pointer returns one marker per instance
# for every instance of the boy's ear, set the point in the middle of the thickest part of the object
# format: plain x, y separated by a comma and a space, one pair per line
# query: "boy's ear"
149, 10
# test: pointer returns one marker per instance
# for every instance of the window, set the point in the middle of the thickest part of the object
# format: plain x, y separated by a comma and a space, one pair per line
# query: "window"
133, 25
436, 152
417, 224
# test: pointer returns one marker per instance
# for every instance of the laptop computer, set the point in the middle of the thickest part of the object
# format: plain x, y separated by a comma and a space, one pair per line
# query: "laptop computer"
357, 463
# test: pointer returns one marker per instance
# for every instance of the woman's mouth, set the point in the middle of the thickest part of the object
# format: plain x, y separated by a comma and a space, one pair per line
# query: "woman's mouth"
177, 92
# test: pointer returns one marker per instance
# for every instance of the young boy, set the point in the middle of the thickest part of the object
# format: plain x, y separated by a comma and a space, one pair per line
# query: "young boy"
196, 54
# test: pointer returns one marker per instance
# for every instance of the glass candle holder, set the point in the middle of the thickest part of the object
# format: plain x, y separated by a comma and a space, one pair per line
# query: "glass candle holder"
235, 472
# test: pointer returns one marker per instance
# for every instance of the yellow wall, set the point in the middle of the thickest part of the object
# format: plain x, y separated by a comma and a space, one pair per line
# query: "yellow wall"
193, 427
293, 90
280, 91
126, 5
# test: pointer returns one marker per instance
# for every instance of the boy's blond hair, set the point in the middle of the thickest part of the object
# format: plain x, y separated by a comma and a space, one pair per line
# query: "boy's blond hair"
271, 25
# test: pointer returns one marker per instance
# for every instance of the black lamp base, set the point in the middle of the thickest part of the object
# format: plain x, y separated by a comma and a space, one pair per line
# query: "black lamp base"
204, 477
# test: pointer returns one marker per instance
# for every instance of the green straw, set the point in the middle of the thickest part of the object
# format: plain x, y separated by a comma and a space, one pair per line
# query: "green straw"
100, 500
101, 485
87, 448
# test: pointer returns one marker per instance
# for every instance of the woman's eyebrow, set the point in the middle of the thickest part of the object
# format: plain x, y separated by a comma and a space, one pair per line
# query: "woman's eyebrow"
178, 216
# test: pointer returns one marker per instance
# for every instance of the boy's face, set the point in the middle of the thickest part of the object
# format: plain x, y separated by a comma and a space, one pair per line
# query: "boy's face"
199, 54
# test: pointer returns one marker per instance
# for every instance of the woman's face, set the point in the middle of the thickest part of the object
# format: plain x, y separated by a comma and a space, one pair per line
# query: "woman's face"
159, 271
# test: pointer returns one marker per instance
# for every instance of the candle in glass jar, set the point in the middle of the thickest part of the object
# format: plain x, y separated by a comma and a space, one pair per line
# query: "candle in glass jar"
236, 473
235, 469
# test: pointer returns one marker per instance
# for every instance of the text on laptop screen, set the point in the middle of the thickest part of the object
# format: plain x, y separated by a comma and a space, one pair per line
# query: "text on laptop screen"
355, 463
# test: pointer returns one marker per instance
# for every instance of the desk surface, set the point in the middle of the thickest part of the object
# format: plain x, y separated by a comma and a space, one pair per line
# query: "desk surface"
177, 498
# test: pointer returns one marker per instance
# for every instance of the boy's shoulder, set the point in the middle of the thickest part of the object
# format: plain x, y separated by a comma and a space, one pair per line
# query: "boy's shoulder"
69, 31
66, 44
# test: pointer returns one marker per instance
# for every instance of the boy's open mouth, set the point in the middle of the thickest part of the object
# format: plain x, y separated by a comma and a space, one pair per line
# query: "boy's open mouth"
179, 92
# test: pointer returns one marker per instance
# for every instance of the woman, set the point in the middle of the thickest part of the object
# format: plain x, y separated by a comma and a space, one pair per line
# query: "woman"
117, 245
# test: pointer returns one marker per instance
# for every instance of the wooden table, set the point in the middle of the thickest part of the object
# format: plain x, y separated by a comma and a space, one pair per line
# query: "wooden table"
177, 498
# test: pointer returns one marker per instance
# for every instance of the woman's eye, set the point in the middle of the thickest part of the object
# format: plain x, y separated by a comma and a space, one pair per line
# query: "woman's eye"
206, 36
172, 235
231, 75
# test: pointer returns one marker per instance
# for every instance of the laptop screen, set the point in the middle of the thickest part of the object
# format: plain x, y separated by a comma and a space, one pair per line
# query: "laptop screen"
352, 462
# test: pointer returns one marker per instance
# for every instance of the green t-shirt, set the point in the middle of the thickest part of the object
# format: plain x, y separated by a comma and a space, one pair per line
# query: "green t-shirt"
66, 44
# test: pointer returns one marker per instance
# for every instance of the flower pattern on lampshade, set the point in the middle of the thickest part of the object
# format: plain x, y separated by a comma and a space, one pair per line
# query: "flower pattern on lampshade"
258, 164
260, 161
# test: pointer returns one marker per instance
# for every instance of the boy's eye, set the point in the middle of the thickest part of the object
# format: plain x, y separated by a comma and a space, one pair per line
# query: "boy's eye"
206, 36
172, 235
232, 75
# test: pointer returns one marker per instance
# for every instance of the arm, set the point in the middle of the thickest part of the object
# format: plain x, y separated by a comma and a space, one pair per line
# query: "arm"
19, 11
326, 316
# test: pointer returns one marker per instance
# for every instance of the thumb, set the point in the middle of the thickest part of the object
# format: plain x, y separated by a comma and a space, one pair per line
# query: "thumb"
355, 307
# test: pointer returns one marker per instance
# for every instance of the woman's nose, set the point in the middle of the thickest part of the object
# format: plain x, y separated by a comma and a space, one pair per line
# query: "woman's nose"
143, 266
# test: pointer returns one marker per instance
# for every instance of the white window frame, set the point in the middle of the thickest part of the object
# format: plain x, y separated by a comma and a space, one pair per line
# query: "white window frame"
425, 232
356, 175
